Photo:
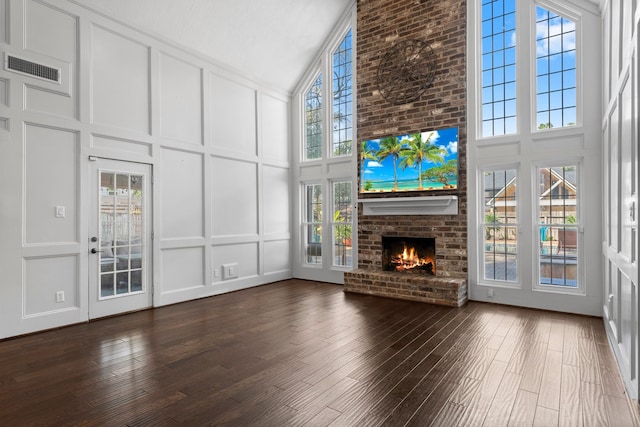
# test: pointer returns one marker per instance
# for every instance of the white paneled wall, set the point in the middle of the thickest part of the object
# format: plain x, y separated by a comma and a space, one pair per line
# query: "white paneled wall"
621, 21
120, 81
233, 117
180, 97
218, 144
182, 206
54, 152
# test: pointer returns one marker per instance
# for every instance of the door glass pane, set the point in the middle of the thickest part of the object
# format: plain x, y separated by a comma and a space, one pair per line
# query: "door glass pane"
313, 224
500, 230
121, 233
558, 226
342, 224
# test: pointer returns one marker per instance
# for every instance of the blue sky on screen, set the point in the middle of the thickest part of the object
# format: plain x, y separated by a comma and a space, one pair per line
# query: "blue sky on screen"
443, 138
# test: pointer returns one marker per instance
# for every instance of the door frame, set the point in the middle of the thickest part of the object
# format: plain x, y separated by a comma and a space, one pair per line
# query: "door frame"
93, 169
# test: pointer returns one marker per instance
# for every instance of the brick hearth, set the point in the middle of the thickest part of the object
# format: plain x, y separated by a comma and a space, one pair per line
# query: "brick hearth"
448, 291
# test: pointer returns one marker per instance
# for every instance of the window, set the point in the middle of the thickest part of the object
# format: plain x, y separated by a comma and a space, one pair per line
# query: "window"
498, 67
558, 226
555, 70
533, 142
342, 224
500, 225
326, 168
341, 105
555, 64
313, 223
342, 98
313, 120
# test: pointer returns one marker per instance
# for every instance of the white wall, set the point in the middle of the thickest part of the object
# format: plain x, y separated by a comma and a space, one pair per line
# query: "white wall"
218, 144
621, 23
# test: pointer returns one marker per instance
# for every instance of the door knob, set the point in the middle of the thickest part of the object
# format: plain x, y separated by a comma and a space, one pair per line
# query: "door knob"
94, 251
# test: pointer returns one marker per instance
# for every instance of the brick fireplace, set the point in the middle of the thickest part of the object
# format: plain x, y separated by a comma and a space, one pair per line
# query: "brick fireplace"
381, 24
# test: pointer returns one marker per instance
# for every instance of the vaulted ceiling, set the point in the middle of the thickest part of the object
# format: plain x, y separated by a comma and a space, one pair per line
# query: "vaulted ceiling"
270, 41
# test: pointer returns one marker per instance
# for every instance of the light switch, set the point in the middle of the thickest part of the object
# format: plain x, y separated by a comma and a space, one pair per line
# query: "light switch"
60, 211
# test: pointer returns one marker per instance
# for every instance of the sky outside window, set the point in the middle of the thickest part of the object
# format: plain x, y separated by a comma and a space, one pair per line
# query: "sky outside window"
555, 70
498, 67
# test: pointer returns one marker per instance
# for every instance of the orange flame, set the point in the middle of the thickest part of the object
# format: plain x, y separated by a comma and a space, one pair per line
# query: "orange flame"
409, 259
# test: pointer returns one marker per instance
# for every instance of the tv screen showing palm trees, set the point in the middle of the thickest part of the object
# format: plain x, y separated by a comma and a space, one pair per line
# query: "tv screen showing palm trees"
412, 162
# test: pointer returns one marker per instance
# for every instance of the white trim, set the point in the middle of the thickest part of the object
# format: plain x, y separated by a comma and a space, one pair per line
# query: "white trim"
429, 205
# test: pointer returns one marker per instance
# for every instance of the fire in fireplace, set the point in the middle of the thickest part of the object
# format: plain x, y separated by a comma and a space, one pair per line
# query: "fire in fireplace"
409, 254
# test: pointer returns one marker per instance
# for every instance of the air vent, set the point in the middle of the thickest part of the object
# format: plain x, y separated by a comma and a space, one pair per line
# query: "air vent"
33, 69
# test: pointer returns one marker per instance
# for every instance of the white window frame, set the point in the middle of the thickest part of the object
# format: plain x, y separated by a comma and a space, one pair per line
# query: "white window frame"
576, 17
332, 223
304, 223
537, 286
303, 102
530, 147
329, 93
481, 224
328, 168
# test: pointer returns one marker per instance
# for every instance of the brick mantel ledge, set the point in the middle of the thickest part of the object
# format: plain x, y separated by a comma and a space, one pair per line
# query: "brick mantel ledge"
449, 291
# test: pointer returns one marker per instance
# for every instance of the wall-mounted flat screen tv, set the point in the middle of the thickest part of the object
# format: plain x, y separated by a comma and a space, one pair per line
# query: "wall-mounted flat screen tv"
421, 161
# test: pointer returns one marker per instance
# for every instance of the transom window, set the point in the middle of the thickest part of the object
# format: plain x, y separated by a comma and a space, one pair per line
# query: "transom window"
342, 98
555, 70
498, 67
313, 120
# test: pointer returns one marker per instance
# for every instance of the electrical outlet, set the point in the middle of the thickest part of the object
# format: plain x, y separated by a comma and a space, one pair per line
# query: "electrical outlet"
60, 296
230, 271
490, 293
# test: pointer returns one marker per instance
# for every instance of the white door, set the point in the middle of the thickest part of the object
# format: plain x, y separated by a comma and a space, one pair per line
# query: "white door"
120, 238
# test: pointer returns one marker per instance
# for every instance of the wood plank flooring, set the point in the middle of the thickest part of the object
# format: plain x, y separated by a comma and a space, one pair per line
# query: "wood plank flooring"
305, 353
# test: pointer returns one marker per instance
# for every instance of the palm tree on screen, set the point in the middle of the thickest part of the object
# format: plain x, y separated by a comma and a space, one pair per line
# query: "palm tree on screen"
419, 150
366, 153
390, 146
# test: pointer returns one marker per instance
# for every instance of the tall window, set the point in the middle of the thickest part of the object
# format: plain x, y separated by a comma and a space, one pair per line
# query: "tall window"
342, 224
534, 130
500, 225
313, 223
342, 98
326, 163
558, 226
313, 121
555, 70
498, 67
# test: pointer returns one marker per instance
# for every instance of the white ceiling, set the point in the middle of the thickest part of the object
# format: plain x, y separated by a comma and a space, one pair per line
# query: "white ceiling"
270, 41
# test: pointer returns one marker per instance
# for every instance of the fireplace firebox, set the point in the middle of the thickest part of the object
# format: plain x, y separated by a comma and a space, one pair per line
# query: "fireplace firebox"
415, 255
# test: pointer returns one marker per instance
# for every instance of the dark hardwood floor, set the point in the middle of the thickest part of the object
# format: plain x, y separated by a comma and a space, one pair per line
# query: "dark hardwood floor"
305, 353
